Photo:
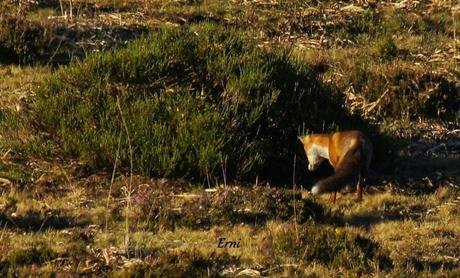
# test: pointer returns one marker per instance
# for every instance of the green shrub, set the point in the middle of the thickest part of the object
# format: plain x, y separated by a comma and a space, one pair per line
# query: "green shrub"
195, 101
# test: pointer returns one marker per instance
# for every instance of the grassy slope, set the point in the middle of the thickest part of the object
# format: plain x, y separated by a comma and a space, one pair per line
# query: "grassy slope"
55, 209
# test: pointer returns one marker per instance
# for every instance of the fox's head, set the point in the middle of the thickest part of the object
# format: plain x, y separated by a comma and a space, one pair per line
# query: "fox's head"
313, 151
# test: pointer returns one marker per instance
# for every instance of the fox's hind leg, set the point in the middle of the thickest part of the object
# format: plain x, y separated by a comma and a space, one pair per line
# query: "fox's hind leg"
359, 189
332, 197
362, 177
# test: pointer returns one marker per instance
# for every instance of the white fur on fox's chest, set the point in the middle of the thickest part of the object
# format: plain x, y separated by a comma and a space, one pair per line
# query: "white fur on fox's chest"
318, 150
316, 154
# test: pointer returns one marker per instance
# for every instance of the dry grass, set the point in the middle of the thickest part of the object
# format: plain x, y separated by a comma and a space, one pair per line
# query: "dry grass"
434, 237
420, 233
19, 81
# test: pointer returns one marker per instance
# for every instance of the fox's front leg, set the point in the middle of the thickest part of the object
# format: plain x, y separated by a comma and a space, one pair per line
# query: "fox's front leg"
332, 197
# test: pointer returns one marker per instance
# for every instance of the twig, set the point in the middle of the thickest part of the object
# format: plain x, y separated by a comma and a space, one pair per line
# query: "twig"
455, 36
43, 224
6, 182
224, 170
112, 179
207, 177
62, 8
293, 196
375, 103
6, 154
55, 51
3, 231
71, 9
128, 197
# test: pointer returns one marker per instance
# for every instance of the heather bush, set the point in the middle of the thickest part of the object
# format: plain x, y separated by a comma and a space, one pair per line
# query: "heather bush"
197, 102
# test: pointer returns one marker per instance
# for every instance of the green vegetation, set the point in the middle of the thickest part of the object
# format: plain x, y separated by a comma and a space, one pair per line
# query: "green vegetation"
195, 102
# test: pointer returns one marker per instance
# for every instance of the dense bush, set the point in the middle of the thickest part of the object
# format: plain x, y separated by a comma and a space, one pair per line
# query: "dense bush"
197, 102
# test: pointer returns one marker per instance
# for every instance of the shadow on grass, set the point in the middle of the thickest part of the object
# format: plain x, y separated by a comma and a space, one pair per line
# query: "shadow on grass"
368, 220
35, 222
418, 167
421, 175
206, 218
390, 211
431, 265
227, 206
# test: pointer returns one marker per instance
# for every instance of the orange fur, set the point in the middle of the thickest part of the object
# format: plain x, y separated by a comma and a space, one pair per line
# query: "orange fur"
349, 152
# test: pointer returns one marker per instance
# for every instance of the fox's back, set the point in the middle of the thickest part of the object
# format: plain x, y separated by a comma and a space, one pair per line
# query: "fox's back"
340, 143
346, 141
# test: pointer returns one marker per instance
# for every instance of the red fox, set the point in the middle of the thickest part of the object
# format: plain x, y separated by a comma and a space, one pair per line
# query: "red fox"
349, 152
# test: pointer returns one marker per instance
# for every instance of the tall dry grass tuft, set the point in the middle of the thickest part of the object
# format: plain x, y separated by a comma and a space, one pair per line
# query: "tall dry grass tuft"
454, 11
127, 192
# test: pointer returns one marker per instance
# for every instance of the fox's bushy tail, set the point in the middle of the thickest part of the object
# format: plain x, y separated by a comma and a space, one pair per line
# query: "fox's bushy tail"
347, 169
